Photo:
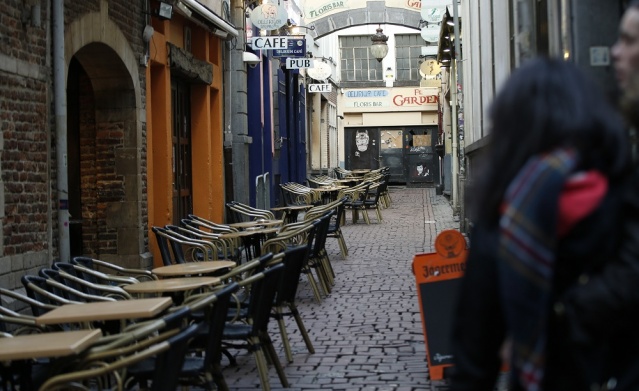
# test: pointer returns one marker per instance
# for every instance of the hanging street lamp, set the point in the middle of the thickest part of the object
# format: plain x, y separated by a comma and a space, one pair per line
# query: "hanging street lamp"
379, 48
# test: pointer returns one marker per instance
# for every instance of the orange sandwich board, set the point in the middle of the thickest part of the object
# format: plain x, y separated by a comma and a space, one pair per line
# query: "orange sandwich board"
438, 276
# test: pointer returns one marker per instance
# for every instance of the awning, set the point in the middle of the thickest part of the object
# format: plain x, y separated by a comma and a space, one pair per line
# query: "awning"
210, 16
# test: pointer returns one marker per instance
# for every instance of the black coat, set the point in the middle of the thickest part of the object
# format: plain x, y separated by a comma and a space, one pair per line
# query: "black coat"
593, 335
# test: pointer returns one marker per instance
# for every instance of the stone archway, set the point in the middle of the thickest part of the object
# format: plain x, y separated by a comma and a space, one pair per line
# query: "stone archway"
374, 12
109, 138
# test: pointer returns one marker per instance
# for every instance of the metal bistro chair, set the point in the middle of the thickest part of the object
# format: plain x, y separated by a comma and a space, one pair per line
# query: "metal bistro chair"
295, 258
255, 334
113, 269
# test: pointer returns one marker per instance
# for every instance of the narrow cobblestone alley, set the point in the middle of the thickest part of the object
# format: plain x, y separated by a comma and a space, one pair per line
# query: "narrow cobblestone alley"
367, 333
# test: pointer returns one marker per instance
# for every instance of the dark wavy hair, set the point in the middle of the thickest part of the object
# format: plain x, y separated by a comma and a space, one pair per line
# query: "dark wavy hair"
545, 104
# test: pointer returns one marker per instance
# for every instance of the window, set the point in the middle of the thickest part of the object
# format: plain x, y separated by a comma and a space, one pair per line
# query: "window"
408, 48
357, 63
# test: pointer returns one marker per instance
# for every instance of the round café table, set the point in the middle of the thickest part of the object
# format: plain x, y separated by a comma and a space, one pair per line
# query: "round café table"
329, 193
252, 237
256, 223
176, 287
192, 268
290, 212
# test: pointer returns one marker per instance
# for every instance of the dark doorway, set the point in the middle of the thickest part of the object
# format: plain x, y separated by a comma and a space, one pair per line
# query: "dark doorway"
182, 164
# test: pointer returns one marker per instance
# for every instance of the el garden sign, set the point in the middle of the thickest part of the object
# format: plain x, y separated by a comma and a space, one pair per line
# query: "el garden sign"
282, 46
320, 88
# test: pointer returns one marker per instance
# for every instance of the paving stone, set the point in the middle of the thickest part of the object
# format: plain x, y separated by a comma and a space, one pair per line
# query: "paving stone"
367, 332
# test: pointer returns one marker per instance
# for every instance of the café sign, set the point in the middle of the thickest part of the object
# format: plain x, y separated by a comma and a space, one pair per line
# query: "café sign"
269, 16
295, 47
282, 46
320, 88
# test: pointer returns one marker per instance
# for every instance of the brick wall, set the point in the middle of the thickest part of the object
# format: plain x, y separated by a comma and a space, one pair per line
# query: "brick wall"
24, 138
28, 198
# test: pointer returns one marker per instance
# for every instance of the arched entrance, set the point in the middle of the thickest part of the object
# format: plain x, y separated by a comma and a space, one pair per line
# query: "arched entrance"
102, 154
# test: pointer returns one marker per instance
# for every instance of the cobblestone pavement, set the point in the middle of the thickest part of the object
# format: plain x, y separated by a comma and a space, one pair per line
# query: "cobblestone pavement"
367, 333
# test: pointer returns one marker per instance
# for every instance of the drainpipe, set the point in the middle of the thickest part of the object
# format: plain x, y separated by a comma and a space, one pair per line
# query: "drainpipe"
454, 136
459, 143
60, 108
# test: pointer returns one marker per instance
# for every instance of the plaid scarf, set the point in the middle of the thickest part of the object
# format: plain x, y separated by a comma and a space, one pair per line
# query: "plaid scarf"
528, 240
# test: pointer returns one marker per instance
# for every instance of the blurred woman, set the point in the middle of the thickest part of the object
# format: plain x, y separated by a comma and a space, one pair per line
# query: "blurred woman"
542, 274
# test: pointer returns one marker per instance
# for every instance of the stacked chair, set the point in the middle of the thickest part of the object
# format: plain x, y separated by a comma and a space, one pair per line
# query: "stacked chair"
336, 221
319, 180
206, 230
238, 213
342, 173
113, 269
14, 320
297, 194
107, 364
355, 197
178, 246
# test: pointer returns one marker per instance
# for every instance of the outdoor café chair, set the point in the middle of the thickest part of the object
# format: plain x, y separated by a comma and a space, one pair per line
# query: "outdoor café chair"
113, 269
108, 369
255, 334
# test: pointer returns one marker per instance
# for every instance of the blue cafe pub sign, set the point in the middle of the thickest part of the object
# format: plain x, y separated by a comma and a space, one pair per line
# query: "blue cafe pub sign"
281, 46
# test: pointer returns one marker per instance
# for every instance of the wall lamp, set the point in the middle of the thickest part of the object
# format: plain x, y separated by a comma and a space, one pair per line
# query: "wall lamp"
251, 59
165, 11
31, 14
